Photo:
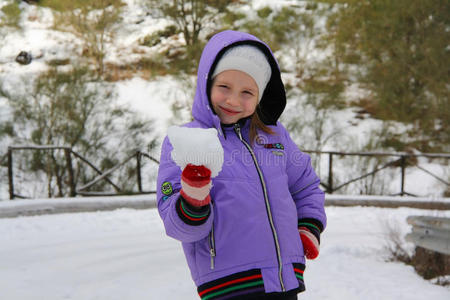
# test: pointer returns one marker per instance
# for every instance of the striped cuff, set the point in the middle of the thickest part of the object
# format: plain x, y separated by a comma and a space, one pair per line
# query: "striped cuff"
299, 269
313, 225
242, 284
192, 215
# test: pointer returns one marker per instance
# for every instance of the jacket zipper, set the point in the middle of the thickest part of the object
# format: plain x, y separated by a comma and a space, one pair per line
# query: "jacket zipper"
237, 129
212, 244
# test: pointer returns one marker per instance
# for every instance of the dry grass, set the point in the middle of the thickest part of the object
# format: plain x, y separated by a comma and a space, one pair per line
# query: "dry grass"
430, 264
145, 68
395, 243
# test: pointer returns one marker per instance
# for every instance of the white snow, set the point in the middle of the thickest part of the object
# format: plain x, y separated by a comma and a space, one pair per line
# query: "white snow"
387, 198
125, 254
30, 207
24, 203
153, 99
197, 146
417, 179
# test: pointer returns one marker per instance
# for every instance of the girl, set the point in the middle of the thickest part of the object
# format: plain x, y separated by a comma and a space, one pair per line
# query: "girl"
246, 232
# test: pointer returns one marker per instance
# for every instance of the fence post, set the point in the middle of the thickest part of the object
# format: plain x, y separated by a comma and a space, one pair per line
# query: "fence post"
138, 166
67, 152
403, 165
10, 174
330, 173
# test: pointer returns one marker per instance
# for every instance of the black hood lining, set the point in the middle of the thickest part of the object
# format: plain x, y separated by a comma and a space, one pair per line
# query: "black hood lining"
273, 100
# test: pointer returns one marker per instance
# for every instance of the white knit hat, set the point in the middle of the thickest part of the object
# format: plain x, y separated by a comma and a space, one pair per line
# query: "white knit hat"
248, 59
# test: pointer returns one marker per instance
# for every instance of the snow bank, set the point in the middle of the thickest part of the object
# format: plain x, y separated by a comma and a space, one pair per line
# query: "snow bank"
31, 207
125, 254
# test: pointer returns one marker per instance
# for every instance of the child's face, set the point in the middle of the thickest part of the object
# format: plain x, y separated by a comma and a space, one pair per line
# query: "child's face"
234, 96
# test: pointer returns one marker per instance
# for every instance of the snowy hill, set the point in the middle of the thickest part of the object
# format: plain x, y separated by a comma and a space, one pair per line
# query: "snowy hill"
154, 99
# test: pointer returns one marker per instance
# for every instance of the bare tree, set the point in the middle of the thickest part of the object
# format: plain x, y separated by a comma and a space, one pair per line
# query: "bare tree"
94, 22
191, 16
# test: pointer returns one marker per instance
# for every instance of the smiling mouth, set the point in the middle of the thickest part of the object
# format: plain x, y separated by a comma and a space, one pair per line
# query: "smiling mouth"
229, 111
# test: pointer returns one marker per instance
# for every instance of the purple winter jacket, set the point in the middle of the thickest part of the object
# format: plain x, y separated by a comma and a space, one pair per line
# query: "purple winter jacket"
258, 198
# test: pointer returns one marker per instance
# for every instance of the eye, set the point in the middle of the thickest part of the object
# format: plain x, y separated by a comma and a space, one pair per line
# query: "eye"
224, 86
248, 93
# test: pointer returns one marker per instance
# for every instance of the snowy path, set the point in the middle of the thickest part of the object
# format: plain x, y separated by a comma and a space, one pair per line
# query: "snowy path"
125, 254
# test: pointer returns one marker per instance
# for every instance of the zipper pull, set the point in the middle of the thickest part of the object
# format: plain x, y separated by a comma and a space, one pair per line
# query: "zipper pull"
237, 128
213, 254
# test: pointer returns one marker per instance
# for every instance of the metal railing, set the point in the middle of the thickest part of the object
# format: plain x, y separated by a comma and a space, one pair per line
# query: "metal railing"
69, 154
401, 160
432, 233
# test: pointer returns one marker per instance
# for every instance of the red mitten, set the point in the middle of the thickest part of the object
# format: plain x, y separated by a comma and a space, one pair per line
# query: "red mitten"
310, 243
196, 184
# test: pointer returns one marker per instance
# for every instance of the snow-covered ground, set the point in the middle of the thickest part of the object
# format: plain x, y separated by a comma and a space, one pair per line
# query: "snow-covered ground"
125, 254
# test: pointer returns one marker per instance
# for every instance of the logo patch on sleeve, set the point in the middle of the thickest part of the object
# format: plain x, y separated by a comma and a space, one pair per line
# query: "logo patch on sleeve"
166, 188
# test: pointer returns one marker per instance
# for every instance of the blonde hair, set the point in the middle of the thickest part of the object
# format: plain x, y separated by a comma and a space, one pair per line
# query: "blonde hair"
255, 125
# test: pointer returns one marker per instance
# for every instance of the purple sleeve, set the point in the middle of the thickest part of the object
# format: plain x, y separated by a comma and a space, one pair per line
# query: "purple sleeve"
180, 222
304, 186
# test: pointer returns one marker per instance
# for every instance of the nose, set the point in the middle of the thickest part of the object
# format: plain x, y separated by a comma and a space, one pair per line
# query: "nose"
233, 100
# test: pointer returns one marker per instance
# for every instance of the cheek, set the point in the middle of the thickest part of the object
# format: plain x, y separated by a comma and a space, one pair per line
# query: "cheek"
250, 106
216, 97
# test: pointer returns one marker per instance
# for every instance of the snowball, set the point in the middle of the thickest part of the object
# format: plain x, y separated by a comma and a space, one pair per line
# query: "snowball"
197, 146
